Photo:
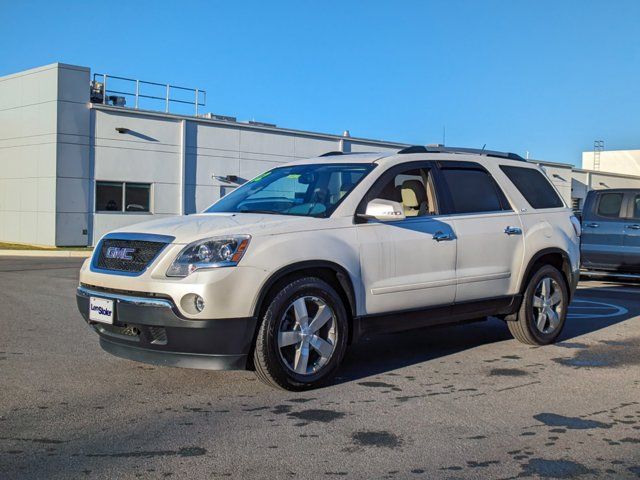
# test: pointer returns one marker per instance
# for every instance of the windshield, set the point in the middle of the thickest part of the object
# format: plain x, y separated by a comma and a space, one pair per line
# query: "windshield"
305, 190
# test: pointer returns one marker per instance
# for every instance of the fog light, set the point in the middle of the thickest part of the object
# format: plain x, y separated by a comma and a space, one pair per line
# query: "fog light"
192, 303
199, 303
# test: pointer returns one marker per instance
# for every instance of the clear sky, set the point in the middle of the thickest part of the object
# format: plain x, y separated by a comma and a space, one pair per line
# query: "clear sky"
544, 76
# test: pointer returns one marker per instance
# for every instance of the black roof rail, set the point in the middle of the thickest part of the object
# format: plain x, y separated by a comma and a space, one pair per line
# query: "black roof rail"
474, 151
328, 154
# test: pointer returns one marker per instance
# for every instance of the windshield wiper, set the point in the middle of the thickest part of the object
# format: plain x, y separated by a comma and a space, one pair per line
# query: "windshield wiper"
270, 212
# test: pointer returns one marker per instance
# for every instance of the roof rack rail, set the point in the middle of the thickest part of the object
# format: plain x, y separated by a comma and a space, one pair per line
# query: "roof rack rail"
328, 154
474, 151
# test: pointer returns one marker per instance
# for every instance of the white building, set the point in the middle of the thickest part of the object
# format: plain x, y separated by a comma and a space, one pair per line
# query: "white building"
625, 162
76, 162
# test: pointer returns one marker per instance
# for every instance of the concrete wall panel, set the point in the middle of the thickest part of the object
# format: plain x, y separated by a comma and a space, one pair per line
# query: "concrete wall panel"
144, 131
73, 160
70, 228
46, 234
306, 147
209, 136
72, 195
165, 198
136, 165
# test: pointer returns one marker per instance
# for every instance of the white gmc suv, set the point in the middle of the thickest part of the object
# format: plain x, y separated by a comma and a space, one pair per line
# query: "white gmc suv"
287, 270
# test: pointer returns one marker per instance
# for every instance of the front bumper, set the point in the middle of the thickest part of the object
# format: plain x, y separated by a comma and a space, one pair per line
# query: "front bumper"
151, 330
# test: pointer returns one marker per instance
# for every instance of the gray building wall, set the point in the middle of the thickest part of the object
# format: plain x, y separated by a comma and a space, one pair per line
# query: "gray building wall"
28, 128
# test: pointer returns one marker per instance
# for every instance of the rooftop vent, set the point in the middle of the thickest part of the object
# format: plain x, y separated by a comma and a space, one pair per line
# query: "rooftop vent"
221, 118
261, 124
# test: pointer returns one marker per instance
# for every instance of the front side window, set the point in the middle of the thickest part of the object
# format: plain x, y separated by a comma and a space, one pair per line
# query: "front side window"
313, 190
472, 191
413, 189
123, 197
534, 186
636, 207
609, 205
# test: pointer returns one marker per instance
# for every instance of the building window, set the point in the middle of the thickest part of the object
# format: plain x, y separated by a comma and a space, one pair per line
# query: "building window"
123, 197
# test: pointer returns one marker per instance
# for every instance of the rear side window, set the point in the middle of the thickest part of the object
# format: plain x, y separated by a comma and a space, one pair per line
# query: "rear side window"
609, 205
636, 207
472, 191
533, 186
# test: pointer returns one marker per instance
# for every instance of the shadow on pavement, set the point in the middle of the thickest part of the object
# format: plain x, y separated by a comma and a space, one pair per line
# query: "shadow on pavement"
377, 354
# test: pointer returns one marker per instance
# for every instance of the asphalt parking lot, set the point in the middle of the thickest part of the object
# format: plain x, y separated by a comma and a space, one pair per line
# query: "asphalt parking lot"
456, 402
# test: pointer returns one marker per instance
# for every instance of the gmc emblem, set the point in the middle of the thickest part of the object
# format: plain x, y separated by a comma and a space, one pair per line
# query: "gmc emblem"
120, 253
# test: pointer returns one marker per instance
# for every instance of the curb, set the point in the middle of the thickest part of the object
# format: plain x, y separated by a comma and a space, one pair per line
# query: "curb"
45, 253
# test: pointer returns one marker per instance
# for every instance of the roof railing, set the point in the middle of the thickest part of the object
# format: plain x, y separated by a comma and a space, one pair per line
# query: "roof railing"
473, 151
101, 92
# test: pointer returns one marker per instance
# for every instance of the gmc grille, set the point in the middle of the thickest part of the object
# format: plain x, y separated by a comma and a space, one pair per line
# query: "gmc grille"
142, 255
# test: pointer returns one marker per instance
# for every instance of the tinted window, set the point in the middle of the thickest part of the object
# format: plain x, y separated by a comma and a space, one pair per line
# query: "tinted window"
137, 197
636, 207
534, 186
108, 196
472, 191
609, 204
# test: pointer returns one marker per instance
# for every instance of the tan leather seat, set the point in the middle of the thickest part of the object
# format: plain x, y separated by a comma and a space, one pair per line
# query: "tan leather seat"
414, 198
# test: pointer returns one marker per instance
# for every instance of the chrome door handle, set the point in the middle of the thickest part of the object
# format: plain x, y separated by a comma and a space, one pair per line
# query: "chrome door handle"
440, 236
592, 225
635, 226
513, 231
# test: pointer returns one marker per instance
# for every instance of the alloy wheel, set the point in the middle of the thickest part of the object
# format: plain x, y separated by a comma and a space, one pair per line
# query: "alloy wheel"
307, 335
547, 304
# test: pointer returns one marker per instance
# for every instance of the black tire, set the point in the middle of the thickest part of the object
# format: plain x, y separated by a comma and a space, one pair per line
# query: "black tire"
524, 328
270, 365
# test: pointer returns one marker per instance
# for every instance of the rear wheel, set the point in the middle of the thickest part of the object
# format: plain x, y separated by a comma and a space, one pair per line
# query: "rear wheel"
302, 337
543, 310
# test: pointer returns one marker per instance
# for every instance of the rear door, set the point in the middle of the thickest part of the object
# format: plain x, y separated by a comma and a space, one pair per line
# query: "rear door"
489, 232
631, 241
603, 230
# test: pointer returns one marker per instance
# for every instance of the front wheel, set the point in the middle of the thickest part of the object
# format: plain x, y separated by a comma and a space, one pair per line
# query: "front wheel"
543, 310
302, 337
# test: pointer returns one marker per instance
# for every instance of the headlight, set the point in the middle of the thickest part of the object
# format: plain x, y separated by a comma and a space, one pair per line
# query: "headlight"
209, 253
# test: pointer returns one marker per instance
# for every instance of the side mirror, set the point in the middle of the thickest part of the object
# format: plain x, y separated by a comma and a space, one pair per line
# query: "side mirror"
384, 210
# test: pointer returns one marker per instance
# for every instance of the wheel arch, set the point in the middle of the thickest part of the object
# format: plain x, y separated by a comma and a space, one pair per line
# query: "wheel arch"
553, 256
336, 275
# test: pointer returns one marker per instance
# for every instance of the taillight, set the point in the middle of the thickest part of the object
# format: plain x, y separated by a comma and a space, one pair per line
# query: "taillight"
576, 225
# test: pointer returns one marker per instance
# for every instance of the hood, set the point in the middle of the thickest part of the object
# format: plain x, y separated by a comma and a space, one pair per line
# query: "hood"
189, 228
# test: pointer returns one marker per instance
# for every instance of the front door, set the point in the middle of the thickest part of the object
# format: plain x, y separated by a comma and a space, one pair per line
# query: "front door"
407, 264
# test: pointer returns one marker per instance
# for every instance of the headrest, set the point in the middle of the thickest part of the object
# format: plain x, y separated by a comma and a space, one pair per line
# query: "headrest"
413, 193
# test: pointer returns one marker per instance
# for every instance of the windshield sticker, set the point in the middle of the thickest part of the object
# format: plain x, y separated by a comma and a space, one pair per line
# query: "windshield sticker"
260, 177
294, 176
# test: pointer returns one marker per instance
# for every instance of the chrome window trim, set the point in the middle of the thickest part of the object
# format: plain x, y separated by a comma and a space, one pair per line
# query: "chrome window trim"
128, 299
147, 237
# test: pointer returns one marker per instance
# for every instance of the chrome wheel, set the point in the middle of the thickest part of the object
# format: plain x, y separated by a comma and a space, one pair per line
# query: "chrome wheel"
307, 335
547, 304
